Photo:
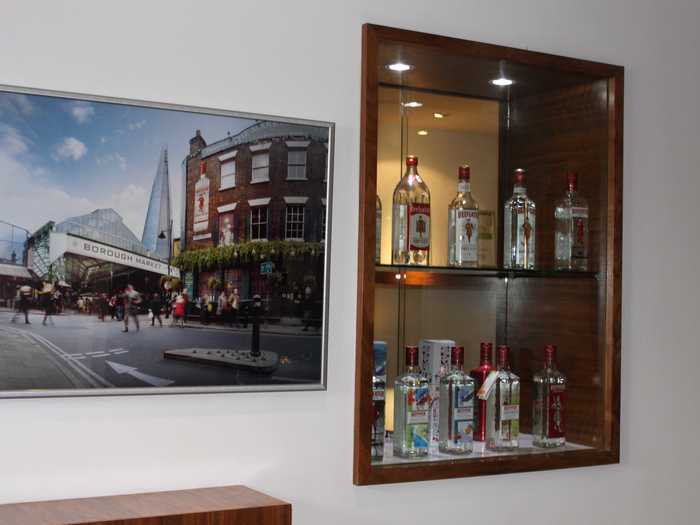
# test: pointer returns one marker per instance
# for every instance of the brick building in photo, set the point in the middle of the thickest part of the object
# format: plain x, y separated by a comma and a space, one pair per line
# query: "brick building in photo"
263, 185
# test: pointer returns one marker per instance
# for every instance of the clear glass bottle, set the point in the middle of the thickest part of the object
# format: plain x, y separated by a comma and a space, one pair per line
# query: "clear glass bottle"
549, 403
503, 407
463, 225
456, 408
479, 375
410, 225
378, 232
571, 229
378, 400
519, 227
411, 409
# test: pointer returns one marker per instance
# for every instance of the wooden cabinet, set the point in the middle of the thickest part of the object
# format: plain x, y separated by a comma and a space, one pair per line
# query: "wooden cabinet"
559, 115
235, 505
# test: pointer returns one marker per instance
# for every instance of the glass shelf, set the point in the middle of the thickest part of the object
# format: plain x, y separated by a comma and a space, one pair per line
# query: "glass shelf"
501, 273
526, 448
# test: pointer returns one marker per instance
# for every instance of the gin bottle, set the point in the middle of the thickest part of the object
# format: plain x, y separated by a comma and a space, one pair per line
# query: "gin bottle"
378, 400
378, 232
479, 375
503, 407
548, 408
410, 237
456, 408
519, 227
463, 225
411, 409
571, 229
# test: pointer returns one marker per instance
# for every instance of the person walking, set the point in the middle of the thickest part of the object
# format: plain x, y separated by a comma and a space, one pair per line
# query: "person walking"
235, 302
132, 299
223, 309
48, 304
25, 293
156, 309
180, 310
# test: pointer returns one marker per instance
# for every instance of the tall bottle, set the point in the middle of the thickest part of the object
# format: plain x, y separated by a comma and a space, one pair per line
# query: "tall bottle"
378, 400
411, 409
549, 404
463, 224
479, 376
503, 407
571, 229
519, 227
410, 225
456, 408
378, 232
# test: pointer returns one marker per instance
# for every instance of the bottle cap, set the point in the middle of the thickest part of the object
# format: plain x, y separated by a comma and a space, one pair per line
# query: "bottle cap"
503, 355
457, 356
411, 160
550, 353
486, 350
411, 356
464, 173
572, 180
520, 176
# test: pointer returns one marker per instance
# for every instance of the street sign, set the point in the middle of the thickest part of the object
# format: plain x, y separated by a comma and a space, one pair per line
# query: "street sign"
266, 267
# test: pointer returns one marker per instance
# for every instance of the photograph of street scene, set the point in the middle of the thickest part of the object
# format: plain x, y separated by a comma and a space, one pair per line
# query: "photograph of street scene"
145, 247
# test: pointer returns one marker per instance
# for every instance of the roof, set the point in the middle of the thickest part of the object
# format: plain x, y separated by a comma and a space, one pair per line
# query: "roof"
15, 270
267, 130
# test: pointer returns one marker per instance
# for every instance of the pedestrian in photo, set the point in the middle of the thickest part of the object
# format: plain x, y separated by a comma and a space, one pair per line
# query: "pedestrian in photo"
180, 310
132, 299
235, 301
47, 301
223, 309
25, 293
112, 307
156, 309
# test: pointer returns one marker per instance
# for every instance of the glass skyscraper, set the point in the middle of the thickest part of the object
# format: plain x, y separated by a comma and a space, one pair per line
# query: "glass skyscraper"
158, 216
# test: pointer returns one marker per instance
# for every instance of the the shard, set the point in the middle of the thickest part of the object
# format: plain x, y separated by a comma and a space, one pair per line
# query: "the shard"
157, 230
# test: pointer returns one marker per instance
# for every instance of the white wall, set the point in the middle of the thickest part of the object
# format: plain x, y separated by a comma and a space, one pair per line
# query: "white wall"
302, 59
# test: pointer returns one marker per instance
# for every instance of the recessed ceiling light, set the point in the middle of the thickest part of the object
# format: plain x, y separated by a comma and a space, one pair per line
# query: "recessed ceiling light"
413, 104
439, 115
422, 132
399, 67
502, 82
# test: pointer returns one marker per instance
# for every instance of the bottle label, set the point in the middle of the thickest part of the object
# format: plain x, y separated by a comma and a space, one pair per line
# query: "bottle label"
510, 412
556, 404
378, 394
463, 413
526, 238
417, 417
579, 219
467, 234
419, 226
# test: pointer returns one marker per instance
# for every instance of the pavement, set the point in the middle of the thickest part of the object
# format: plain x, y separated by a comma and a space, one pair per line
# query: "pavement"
80, 351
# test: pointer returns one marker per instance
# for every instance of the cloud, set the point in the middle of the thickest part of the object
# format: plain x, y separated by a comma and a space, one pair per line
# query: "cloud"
15, 104
82, 112
70, 148
136, 125
12, 142
103, 160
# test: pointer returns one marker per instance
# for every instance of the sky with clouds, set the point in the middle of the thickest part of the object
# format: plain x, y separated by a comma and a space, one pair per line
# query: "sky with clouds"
62, 157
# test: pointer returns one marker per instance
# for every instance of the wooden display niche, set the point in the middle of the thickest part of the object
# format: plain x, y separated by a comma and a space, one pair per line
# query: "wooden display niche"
561, 114
232, 505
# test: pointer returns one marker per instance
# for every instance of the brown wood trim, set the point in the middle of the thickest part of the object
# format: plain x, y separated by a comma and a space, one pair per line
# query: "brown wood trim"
365, 257
489, 466
493, 51
221, 505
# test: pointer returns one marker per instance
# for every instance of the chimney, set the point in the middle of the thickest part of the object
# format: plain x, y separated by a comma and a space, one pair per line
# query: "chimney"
197, 143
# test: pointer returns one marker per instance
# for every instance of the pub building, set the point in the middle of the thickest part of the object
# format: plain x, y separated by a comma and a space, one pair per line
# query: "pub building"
266, 183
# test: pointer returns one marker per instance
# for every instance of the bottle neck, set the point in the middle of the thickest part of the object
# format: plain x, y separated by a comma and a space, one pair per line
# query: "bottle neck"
519, 189
463, 186
412, 369
411, 171
503, 365
484, 359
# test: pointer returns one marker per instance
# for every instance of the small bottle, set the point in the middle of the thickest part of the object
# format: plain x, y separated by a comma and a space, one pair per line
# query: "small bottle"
378, 400
549, 403
456, 408
479, 376
519, 227
503, 408
571, 229
378, 233
411, 409
463, 225
410, 225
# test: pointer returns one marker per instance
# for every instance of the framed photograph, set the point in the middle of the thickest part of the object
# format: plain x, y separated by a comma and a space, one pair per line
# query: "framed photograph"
151, 248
